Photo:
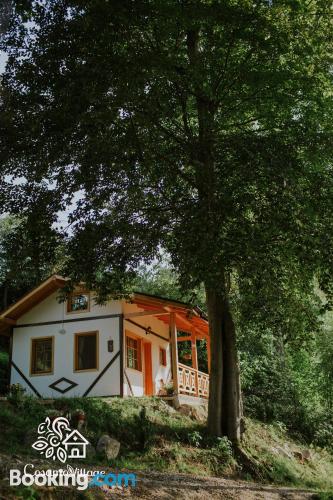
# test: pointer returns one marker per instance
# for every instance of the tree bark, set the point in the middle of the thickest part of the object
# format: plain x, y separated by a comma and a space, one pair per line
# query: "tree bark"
214, 305
231, 390
224, 407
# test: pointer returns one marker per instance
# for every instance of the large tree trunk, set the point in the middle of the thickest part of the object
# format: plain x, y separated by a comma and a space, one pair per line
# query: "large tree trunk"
231, 391
214, 305
224, 408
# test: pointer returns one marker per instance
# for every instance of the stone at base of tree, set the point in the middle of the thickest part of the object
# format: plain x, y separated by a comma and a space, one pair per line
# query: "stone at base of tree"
166, 406
298, 455
108, 446
302, 456
198, 413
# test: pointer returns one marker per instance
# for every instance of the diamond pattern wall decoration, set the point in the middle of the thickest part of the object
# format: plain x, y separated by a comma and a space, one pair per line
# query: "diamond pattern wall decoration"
63, 385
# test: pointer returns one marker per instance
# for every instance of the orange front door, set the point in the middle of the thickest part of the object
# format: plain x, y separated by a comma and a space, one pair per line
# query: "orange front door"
148, 369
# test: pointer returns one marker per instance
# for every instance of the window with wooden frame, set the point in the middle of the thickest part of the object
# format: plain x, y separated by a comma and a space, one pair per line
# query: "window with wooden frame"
41, 360
163, 361
133, 353
78, 301
86, 351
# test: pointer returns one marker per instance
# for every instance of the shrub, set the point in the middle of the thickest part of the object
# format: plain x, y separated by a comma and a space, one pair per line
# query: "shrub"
144, 429
323, 435
16, 394
224, 447
195, 438
220, 455
4, 368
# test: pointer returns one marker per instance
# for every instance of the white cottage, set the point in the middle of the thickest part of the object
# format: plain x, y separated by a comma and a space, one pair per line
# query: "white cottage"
123, 348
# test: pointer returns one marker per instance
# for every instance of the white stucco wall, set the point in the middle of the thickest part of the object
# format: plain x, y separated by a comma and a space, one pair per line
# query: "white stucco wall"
159, 372
51, 310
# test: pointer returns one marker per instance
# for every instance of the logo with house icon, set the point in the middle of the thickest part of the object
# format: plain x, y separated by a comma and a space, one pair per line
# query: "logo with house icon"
58, 441
75, 445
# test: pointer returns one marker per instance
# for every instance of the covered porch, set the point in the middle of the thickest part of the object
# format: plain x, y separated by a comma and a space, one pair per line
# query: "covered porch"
187, 326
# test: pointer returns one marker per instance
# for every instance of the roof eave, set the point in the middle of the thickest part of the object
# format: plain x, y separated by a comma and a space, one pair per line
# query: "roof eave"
32, 298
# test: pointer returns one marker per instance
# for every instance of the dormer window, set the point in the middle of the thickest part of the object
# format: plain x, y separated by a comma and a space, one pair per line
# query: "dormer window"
78, 301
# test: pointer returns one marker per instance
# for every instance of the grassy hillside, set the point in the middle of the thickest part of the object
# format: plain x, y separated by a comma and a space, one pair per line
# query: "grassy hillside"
155, 437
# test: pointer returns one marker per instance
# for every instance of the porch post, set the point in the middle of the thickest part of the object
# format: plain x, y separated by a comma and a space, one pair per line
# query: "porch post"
174, 352
195, 361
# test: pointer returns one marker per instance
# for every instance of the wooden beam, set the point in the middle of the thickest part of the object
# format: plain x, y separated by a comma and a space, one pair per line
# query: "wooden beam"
184, 320
194, 354
153, 299
148, 330
174, 352
195, 362
8, 321
182, 339
33, 297
128, 383
200, 335
146, 313
192, 328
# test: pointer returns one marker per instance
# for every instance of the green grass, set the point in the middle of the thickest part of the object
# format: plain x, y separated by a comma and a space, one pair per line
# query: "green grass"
324, 496
155, 437
262, 441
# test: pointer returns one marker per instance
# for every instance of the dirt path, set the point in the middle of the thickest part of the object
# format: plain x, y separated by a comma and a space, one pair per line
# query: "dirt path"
159, 486
182, 486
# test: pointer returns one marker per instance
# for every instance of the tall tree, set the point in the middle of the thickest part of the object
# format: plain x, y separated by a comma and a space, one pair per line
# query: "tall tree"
159, 278
29, 253
202, 127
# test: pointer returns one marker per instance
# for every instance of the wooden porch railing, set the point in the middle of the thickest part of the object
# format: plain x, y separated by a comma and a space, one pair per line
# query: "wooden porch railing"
203, 385
192, 382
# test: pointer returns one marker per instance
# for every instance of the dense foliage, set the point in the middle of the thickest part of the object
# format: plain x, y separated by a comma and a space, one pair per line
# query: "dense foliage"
29, 253
286, 358
200, 127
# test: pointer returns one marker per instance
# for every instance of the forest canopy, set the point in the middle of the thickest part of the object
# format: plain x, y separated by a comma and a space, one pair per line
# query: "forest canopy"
200, 128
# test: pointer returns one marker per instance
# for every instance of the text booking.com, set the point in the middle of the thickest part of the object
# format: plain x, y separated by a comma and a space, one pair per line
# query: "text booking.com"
57, 441
78, 478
